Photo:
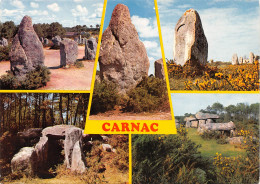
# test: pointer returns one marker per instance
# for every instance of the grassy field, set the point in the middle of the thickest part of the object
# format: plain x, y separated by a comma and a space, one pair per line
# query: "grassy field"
210, 147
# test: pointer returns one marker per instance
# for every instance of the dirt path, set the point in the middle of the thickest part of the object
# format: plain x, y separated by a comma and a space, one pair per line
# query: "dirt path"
61, 78
113, 115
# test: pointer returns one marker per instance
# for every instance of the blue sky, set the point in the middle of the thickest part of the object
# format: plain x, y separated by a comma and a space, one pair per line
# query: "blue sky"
193, 102
231, 26
67, 12
144, 18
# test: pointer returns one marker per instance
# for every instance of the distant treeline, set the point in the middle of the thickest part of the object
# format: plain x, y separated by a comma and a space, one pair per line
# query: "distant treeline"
243, 115
8, 29
19, 111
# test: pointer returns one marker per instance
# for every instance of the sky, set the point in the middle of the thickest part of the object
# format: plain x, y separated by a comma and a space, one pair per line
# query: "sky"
193, 102
144, 18
230, 26
67, 12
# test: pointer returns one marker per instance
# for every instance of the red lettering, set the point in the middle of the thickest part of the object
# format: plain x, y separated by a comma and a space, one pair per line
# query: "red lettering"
125, 127
152, 127
115, 127
104, 127
145, 128
136, 127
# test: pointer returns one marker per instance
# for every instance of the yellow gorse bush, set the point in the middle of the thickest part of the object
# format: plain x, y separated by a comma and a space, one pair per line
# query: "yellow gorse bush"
233, 77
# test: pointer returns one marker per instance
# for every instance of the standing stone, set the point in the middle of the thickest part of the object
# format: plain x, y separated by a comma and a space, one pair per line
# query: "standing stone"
76, 39
257, 58
90, 49
68, 52
123, 58
72, 135
56, 40
46, 41
190, 42
235, 59
3, 42
251, 57
159, 70
27, 50
241, 61
77, 158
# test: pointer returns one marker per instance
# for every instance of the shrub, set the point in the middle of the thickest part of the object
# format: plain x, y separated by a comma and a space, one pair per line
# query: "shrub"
166, 159
149, 95
105, 97
79, 64
33, 80
4, 53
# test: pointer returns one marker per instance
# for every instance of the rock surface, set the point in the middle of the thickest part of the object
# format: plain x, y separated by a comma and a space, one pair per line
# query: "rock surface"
3, 42
241, 60
235, 59
21, 162
251, 57
190, 42
68, 52
26, 50
159, 70
200, 115
123, 58
56, 40
90, 49
78, 165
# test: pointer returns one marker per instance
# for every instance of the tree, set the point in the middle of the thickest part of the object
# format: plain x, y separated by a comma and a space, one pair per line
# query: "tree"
8, 30
55, 28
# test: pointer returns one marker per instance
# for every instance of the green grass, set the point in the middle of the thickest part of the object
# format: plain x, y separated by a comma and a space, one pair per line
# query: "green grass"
210, 147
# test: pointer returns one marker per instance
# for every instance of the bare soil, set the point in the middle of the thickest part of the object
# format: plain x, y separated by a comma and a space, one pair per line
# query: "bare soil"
63, 78
118, 115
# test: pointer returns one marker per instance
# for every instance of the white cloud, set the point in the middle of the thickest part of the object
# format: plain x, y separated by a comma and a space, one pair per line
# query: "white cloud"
53, 7
7, 12
36, 12
77, 1
98, 10
79, 11
18, 4
230, 32
34, 5
145, 28
150, 44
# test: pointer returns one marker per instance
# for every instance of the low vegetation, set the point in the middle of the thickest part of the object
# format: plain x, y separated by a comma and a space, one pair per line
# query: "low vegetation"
4, 53
33, 80
148, 96
218, 76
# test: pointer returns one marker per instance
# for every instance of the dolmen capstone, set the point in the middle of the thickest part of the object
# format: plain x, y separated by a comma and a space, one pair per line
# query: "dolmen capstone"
235, 59
190, 42
47, 152
123, 58
56, 40
159, 69
90, 49
3, 42
68, 52
26, 51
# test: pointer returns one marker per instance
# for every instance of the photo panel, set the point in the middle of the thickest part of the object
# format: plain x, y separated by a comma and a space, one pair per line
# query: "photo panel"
42, 140
130, 80
48, 45
217, 142
211, 45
